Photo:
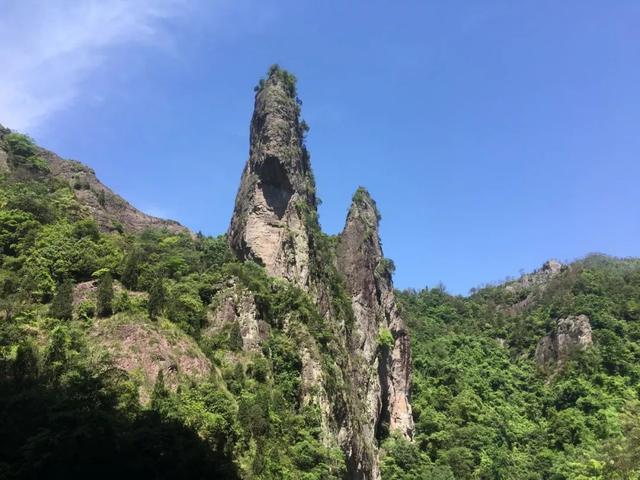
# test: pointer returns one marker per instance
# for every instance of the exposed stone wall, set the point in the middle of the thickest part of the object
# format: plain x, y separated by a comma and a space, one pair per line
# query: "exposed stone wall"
368, 277
572, 334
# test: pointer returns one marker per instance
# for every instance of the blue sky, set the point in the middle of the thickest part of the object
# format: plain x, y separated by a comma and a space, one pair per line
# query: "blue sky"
493, 135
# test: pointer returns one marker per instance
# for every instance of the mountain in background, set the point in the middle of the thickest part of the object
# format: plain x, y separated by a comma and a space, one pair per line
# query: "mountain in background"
22, 160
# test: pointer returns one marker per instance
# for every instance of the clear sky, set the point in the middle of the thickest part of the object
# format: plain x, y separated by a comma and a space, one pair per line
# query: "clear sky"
493, 134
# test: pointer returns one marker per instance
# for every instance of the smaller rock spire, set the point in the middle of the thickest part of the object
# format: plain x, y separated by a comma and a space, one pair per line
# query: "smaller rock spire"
359, 250
368, 277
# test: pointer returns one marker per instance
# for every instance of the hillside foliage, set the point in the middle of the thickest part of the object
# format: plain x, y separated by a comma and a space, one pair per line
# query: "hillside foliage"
66, 408
483, 409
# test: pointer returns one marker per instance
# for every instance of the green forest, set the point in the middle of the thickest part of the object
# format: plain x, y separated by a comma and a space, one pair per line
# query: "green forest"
68, 411
483, 408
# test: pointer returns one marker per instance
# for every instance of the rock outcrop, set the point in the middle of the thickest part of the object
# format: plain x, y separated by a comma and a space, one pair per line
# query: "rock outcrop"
379, 333
543, 275
277, 186
531, 285
275, 224
572, 334
235, 308
111, 211
144, 349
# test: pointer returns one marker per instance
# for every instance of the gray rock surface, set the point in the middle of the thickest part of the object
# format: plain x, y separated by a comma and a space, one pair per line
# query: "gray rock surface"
387, 371
235, 304
268, 224
572, 334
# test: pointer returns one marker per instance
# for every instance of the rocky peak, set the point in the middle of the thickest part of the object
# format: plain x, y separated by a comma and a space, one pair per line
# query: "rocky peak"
275, 224
278, 155
571, 334
379, 335
541, 276
277, 186
552, 267
359, 250
363, 210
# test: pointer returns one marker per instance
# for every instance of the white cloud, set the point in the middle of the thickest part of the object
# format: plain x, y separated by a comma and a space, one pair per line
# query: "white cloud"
48, 47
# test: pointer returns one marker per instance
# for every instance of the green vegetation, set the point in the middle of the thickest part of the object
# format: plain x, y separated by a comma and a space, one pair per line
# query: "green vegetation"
385, 338
62, 304
23, 155
156, 298
385, 268
483, 409
66, 407
105, 295
288, 80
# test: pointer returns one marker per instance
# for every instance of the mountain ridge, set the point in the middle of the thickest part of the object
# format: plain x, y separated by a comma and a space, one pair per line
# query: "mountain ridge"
110, 210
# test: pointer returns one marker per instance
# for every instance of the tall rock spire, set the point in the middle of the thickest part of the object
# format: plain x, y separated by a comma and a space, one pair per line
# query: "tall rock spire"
358, 374
268, 224
379, 332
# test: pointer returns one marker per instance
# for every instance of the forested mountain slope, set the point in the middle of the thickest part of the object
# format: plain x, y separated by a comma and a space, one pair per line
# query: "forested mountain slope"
130, 346
22, 160
487, 406
238, 357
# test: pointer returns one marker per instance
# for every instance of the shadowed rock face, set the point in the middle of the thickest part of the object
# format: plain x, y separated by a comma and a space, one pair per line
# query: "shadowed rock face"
572, 334
387, 372
267, 225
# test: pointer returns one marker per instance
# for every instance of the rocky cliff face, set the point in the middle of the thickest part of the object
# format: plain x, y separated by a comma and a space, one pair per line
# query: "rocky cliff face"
275, 224
379, 334
110, 210
571, 334
268, 224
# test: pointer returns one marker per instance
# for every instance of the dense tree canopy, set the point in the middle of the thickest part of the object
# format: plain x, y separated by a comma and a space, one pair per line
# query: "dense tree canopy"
67, 410
485, 410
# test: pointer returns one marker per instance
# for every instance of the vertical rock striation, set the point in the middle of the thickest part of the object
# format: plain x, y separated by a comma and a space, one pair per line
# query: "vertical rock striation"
379, 334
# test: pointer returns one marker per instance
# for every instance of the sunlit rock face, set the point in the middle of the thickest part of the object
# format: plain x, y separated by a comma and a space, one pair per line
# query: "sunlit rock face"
268, 224
571, 334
